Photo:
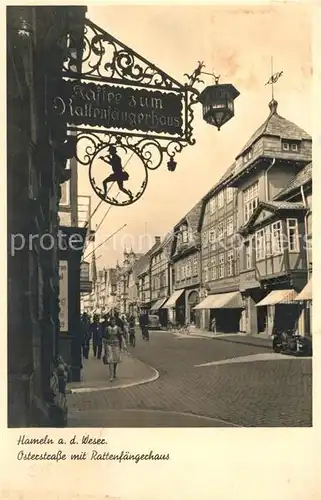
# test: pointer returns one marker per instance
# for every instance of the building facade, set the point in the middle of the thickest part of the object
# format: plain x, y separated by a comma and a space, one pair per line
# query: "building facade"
270, 161
186, 269
220, 258
36, 168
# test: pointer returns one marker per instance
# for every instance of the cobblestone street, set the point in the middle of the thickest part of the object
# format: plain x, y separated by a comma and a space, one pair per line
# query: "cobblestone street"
255, 388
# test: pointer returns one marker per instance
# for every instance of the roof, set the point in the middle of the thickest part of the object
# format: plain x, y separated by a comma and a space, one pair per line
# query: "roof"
282, 205
273, 206
228, 173
278, 126
302, 178
143, 263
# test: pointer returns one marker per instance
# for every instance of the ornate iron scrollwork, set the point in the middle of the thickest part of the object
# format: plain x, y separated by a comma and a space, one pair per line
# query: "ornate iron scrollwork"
103, 136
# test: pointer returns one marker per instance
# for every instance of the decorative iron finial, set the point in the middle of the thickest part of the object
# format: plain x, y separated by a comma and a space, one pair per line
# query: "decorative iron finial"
194, 77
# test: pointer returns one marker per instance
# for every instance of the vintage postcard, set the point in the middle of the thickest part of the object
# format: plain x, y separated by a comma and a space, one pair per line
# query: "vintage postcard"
161, 320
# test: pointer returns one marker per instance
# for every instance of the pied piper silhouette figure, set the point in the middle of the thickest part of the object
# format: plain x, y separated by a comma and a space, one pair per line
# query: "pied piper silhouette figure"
119, 175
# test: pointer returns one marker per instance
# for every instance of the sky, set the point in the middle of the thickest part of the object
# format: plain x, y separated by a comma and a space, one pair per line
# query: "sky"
237, 43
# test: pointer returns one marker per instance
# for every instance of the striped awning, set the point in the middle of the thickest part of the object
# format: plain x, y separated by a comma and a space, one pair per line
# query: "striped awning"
231, 300
306, 293
158, 304
173, 299
278, 297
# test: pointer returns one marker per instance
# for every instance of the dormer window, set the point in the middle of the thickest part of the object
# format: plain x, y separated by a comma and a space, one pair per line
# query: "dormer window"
290, 146
248, 155
184, 231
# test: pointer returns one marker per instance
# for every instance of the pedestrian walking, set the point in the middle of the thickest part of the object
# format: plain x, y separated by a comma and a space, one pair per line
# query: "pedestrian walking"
113, 342
125, 328
85, 334
96, 335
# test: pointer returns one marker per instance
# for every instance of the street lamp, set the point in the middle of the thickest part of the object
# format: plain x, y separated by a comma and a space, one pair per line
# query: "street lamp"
218, 102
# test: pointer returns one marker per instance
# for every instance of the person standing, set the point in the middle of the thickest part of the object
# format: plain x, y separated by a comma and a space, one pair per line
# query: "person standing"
112, 341
96, 333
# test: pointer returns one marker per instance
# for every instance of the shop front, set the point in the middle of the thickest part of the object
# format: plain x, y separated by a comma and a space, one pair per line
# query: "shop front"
175, 307
225, 311
304, 298
157, 308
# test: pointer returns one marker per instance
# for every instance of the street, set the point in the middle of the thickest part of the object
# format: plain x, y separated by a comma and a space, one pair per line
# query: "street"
242, 385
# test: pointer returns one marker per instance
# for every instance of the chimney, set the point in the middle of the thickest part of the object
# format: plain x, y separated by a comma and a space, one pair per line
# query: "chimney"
157, 239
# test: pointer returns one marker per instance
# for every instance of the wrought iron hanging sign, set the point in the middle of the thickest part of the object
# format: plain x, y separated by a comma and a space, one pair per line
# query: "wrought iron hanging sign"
124, 113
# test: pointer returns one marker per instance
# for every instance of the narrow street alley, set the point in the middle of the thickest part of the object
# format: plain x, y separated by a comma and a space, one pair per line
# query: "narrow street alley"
199, 382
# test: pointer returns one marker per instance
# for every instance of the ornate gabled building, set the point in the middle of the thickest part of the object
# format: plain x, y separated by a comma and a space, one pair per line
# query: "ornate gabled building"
273, 157
186, 269
143, 280
161, 278
124, 278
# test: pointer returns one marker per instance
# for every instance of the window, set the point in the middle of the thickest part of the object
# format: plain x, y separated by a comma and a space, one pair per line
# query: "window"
220, 199
229, 194
229, 226
293, 235
213, 267
268, 242
260, 244
188, 269
205, 238
212, 237
248, 254
220, 235
214, 273
184, 234
178, 272
294, 147
195, 266
277, 243
230, 258
285, 146
221, 265
250, 200
247, 156
212, 205
205, 272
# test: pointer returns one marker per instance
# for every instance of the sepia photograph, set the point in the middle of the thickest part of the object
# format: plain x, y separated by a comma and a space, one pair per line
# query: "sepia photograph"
159, 216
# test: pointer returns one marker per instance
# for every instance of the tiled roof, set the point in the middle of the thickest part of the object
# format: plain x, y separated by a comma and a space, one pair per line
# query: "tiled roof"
302, 178
282, 205
278, 126
228, 173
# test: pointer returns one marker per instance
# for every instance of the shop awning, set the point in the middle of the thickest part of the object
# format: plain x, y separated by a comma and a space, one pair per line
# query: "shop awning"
158, 304
173, 299
278, 297
231, 300
306, 293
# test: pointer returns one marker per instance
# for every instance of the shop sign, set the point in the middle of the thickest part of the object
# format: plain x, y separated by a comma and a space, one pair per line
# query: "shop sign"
118, 107
248, 280
63, 295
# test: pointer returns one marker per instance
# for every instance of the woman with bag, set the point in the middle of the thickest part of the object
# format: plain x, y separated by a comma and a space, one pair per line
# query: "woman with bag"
113, 342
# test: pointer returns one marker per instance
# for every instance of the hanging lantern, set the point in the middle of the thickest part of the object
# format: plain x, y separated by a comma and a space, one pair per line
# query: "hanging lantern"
218, 103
